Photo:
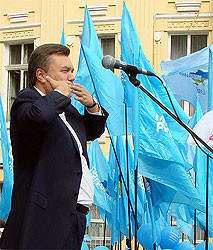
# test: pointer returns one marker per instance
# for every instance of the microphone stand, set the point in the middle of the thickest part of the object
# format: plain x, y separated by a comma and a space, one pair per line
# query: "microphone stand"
132, 77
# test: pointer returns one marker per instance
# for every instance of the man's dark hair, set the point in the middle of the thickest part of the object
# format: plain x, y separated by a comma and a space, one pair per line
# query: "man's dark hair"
40, 59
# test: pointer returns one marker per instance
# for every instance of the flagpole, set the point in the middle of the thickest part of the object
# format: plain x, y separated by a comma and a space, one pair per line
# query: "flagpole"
136, 207
120, 242
210, 87
195, 221
105, 231
207, 203
149, 203
127, 168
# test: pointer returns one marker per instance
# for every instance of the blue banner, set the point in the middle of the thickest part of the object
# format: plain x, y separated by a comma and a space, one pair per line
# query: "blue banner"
188, 76
99, 171
5, 202
109, 92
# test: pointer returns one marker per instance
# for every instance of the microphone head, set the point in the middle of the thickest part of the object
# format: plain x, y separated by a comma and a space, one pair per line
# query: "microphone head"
108, 62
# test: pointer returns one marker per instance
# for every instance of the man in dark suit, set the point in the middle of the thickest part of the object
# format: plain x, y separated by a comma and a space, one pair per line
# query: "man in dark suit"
53, 188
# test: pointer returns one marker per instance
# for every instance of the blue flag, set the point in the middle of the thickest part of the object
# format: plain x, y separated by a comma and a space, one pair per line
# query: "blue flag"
63, 42
132, 53
201, 217
184, 214
88, 219
109, 92
5, 202
156, 134
199, 159
99, 171
91, 41
141, 197
188, 76
101, 83
210, 78
199, 165
113, 188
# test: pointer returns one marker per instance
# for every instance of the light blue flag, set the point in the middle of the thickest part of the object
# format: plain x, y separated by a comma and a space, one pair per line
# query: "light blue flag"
187, 77
118, 219
191, 150
112, 218
88, 219
199, 165
210, 78
159, 158
5, 202
184, 214
132, 53
201, 217
122, 197
141, 197
184, 217
101, 83
63, 42
109, 92
91, 41
199, 159
99, 171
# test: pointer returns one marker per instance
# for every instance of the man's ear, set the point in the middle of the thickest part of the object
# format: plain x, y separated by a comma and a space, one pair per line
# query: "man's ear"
41, 75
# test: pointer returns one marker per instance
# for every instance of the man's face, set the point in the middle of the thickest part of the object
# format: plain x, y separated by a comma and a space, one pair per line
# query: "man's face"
60, 69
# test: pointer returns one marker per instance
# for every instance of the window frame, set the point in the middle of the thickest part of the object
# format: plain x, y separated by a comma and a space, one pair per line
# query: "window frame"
7, 67
107, 36
185, 33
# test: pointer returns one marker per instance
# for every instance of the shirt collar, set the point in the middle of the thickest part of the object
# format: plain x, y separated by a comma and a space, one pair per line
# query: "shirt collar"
39, 91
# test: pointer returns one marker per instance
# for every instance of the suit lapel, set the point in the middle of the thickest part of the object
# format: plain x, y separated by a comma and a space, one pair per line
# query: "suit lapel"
71, 135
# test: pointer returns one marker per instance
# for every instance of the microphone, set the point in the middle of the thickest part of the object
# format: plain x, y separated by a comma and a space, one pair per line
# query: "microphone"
110, 62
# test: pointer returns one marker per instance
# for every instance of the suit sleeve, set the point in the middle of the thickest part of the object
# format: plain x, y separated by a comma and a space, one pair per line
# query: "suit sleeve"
95, 124
31, 111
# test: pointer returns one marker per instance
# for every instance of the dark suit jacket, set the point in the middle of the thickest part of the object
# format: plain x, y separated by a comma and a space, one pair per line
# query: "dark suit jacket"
47, 169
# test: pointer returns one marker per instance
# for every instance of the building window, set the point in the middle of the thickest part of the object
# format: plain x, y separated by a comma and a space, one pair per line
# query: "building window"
182, 45
108, 46
17, 71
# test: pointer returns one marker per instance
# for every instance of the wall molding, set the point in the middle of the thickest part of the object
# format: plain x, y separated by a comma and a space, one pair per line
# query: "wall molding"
188, 24
18, 17
188, 6
100, 28
27, 25
107, 19
18, 34
98, 10
183, 15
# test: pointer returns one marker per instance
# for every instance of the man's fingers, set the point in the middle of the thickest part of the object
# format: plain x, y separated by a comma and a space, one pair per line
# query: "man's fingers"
50, 80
